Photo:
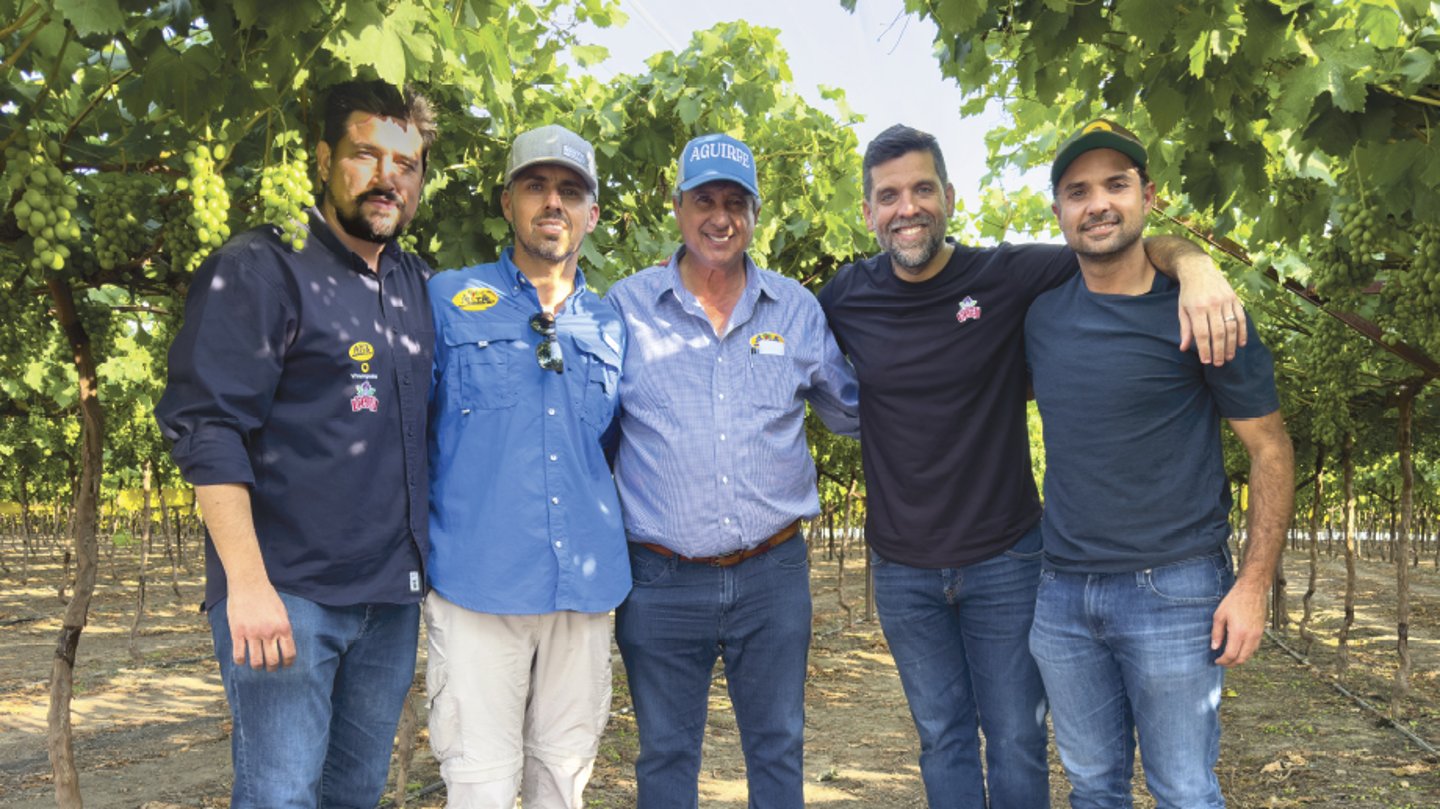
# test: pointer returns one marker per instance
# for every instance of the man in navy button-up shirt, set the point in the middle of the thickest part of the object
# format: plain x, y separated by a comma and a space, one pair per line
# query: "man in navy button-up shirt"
528, 551
296, 406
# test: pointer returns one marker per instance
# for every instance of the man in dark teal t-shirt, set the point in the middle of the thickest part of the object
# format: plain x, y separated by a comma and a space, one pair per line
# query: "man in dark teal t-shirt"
1138, 610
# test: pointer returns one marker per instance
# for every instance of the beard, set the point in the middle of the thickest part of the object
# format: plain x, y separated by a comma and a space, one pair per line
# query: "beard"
548, 250
1111, 250
351, 218
916, 256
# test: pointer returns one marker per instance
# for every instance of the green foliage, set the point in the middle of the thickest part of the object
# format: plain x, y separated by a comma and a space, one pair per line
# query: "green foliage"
138, 135
1297, 134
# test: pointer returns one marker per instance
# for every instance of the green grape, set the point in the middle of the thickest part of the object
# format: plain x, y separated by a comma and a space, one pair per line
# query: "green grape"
1334, 271
120, 216
47, 201
1361, 226
285, 192
205, 224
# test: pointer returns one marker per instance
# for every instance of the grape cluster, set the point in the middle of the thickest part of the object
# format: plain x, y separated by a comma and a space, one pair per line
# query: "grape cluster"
1414, 295
1425, 266
1360, 226
46, 208
1331, 360
285, 192
205, 225
1334, 271
122, 203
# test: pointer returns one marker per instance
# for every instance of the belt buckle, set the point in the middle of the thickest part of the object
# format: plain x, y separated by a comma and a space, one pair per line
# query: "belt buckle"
724, 561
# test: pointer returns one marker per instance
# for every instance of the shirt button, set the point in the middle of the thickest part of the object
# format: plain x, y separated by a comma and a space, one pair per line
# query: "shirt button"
724, 479
550, 412
722, 436
726, 520
719, 359
722, 396
555, 500
554, 457
559, 544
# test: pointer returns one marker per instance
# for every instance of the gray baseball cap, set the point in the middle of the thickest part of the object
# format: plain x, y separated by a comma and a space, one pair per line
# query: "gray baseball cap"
553, 144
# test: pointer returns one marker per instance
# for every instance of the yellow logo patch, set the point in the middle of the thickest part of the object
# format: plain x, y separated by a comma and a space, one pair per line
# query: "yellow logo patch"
475, 299
1098, 126
362, 352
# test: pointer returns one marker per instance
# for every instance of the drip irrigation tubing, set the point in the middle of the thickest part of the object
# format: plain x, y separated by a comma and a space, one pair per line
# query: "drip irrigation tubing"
1356, 698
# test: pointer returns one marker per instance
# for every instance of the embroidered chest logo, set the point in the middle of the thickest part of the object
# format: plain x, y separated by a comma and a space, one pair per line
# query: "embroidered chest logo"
364, 399
767, 342
475, 299
969, 310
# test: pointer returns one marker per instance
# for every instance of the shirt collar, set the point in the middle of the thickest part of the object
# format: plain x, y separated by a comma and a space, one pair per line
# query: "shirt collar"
755, 281
320, 229
508, 266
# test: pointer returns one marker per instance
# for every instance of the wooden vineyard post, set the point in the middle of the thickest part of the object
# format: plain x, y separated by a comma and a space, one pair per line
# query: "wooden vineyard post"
85, 522
1401, 556
1347, 465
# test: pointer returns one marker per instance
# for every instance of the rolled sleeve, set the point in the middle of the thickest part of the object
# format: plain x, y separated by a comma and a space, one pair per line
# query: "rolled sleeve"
224, 366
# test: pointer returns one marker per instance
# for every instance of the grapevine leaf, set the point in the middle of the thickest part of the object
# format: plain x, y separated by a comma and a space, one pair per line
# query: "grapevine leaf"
1151, 22
290, 15
371, 41
1416, 66
92, 16
1166, 106
688, 108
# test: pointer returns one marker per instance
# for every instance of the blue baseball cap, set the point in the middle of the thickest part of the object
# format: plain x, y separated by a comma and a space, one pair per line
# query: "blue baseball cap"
709, 158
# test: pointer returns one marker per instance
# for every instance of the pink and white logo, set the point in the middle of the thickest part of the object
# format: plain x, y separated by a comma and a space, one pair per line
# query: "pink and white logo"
364, 399
969, 310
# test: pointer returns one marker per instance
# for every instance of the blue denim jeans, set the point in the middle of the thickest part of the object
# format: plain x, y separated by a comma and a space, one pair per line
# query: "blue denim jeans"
1128, 652
959, 639
319, 733
679, 617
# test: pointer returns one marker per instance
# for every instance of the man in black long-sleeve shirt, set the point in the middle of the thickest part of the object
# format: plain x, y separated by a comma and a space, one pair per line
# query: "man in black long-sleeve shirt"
296, 404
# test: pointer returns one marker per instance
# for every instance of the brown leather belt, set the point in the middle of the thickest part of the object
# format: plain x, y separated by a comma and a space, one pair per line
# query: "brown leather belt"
729, 559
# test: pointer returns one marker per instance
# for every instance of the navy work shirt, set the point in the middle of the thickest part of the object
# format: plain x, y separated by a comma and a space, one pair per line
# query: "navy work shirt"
304, 376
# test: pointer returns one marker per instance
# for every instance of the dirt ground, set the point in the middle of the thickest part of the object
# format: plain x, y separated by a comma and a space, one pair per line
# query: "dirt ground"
153, 732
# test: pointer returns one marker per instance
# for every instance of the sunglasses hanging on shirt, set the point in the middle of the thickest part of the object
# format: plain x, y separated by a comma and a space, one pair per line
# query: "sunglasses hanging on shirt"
547, 353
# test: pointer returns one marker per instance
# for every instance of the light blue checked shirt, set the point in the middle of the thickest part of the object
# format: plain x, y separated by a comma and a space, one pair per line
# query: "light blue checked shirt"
712, 455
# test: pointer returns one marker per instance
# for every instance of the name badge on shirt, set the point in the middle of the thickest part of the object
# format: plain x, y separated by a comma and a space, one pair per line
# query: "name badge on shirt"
414, 581
768, 342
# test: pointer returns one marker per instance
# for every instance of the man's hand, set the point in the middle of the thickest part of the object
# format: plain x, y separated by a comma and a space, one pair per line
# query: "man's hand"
1239, 624
259, 624
259, 627
1212, 316
1210, 313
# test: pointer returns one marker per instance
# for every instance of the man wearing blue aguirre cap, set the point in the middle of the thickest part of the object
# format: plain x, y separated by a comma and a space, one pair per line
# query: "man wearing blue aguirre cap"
714, 478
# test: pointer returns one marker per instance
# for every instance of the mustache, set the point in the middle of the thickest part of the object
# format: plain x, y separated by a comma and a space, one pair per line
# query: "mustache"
1102, 219
921, 219
379, 193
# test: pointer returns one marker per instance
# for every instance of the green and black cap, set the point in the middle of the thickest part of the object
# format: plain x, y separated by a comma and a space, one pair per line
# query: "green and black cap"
1098, 134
